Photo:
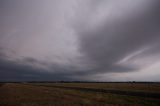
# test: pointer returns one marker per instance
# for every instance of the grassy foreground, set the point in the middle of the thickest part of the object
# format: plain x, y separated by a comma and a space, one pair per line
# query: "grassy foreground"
46, 94
140, 87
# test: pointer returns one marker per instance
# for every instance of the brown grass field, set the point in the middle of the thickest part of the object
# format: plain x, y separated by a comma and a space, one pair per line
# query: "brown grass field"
80, 94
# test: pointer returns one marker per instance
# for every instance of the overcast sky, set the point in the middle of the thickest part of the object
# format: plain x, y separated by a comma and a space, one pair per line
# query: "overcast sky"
93, 40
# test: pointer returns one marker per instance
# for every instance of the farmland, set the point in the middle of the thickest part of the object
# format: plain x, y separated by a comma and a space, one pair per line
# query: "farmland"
79, 94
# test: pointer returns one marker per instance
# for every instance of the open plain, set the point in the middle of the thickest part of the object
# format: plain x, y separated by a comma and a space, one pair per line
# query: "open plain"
79, 94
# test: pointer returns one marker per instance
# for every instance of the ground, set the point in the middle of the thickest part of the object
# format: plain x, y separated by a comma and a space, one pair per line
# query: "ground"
69, 94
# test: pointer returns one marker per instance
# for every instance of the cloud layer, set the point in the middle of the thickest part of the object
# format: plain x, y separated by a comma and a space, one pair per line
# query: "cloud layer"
101, 40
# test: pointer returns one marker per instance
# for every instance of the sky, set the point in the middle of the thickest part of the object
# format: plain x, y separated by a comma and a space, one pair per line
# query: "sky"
79, 40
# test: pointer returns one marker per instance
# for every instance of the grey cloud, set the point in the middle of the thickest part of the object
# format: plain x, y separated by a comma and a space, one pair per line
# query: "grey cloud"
30, 69
111, 42
77, 40
19, 71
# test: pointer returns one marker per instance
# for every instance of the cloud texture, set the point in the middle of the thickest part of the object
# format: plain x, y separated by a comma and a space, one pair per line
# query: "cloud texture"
102, 40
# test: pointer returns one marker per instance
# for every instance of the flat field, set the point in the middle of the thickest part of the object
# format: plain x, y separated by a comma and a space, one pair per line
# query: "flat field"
80, 94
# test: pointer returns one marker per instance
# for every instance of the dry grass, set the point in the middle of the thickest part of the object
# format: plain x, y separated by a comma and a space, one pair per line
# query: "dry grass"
148, 87
29, 95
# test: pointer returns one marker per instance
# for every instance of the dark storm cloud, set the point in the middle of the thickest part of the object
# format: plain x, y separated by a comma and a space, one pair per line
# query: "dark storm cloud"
108, 44
77, 40
29, 69
20, 71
